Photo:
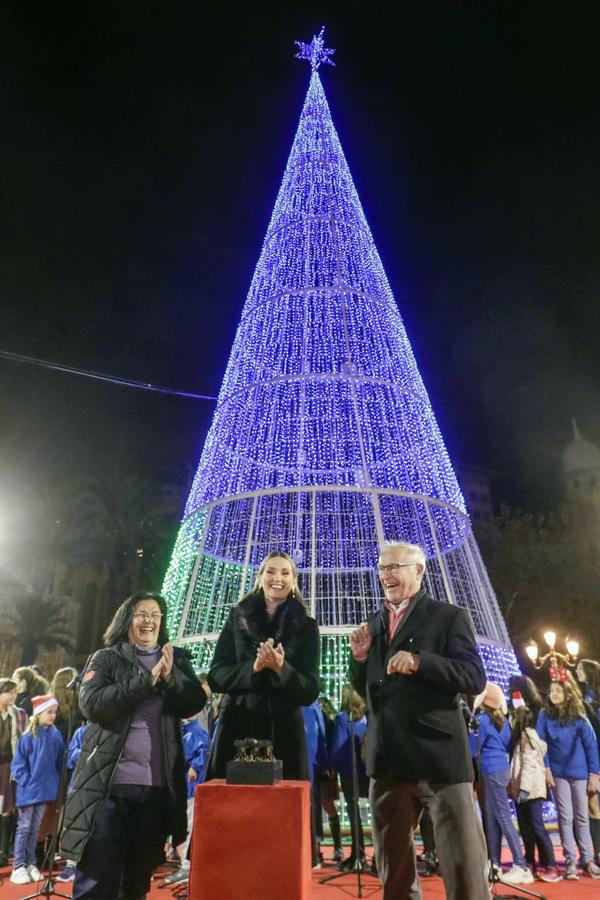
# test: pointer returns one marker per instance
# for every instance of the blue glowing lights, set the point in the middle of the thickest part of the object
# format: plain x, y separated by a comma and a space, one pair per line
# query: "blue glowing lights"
323, 441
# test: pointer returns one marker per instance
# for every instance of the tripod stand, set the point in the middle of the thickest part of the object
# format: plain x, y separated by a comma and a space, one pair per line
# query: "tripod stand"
358, 868
493, 876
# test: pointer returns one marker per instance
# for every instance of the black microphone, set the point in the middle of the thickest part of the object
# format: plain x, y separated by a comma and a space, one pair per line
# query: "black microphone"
471, 720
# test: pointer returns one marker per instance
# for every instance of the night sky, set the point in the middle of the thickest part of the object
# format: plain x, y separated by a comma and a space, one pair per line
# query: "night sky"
142, 148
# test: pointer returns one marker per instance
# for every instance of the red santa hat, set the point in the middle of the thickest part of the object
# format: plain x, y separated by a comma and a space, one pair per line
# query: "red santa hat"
43, 702
517, 700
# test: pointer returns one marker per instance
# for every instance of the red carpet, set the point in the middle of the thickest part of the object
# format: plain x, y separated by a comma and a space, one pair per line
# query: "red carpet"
345, 887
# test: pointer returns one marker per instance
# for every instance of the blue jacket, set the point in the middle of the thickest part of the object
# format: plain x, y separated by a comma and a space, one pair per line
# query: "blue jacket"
494, 745
572, 747
37, 764
75, 745
340, 751
316, 740
196, 744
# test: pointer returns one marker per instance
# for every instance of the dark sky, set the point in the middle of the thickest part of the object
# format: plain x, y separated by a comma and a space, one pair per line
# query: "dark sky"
142, 148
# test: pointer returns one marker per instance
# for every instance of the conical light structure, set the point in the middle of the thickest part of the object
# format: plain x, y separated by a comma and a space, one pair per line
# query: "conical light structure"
323, 443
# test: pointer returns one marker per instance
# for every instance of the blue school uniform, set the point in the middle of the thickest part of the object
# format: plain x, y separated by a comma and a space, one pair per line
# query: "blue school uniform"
37, 764
316, 740
572, 746
196, 744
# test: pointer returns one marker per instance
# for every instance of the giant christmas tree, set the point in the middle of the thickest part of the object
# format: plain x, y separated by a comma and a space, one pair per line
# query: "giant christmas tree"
323, 442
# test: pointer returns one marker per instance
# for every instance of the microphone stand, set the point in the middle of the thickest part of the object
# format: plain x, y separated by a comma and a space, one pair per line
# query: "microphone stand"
493, 877
358, 868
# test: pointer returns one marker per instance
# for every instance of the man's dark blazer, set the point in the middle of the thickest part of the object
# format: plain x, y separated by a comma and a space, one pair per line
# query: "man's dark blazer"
416, 729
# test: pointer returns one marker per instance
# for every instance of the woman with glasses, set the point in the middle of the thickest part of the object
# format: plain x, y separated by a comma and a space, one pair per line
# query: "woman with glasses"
266, 664
128, 791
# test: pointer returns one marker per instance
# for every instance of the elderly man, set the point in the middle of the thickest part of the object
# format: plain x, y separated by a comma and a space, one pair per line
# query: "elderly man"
410, 660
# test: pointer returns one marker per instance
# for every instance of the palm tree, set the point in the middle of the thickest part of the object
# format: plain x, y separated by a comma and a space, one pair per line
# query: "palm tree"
108, 525
37, 622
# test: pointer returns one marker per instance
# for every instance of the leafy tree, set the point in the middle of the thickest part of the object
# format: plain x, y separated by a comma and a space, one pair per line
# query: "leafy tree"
36, 622
544, 578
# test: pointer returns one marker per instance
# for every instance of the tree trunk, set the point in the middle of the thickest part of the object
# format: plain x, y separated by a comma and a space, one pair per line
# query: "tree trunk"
29, 652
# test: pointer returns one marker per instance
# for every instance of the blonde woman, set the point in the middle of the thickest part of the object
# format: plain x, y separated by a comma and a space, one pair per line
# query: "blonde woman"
266, 664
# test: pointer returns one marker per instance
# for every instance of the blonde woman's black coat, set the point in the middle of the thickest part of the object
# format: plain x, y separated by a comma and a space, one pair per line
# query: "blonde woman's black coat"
265, 704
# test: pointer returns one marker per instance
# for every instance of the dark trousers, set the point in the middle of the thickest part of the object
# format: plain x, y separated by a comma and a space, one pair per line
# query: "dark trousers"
396, 806
533, 832
125, 846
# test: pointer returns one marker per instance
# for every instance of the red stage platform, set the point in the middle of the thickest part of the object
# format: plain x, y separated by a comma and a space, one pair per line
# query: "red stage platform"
251, 841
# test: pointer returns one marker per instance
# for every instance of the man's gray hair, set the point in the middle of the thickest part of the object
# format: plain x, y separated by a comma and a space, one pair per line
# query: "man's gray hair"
414, 552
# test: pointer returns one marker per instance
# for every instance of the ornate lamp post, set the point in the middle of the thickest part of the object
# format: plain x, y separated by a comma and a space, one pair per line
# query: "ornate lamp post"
555, 659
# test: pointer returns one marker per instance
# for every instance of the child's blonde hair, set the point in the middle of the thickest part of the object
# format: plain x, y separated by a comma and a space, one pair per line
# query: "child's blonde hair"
34, 725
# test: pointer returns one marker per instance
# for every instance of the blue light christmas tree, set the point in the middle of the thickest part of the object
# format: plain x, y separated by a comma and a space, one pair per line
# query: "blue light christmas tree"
323, 442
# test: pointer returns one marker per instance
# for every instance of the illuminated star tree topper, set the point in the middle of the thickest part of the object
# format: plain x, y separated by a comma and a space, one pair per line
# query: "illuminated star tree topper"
316, 52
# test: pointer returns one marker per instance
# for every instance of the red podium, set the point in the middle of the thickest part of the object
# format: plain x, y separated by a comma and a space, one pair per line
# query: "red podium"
251, 842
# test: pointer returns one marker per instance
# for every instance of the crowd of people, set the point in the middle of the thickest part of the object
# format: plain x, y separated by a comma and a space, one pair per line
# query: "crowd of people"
109, 758
525, 751
533, 749
117, 751
33, 733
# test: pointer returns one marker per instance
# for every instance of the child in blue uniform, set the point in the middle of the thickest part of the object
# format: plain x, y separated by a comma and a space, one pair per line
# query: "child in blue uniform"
350, 727
528, 790
573, 770
318, 762
36, 767
494, 742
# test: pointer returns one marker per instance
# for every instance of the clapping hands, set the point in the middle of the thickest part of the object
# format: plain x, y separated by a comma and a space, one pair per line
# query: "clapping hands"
164, 666
269, 656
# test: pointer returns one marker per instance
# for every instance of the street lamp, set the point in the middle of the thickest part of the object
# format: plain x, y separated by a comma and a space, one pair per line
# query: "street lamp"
553, 656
